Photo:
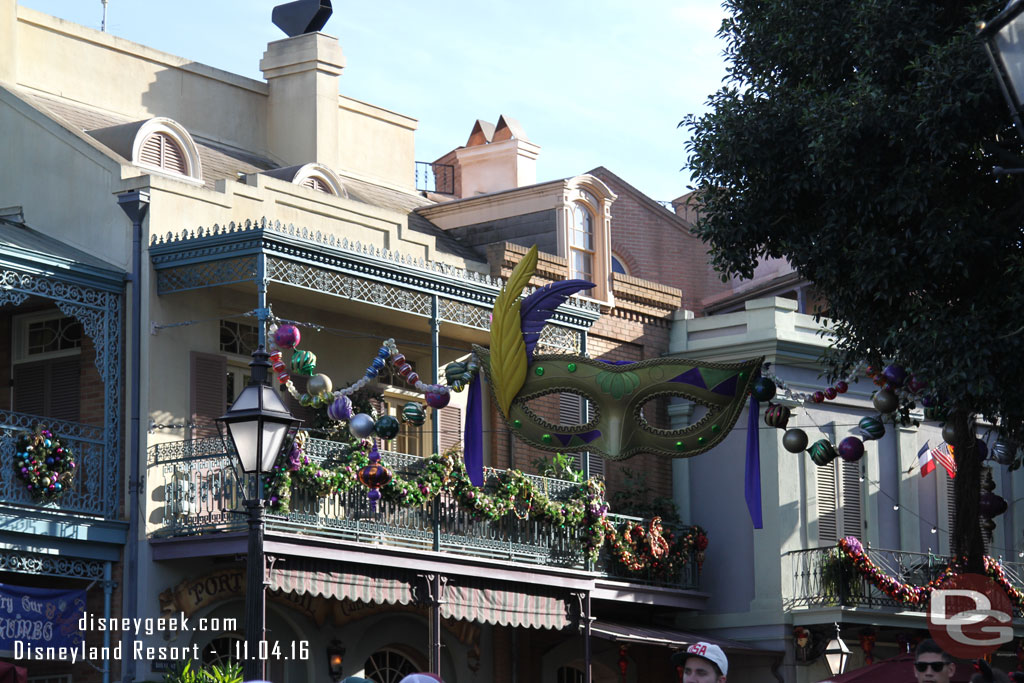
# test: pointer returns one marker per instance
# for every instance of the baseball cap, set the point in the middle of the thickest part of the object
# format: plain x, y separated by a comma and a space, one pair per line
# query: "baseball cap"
707, 651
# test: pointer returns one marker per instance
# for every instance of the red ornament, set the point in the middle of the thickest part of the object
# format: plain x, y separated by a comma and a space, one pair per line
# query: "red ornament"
818, 397
842, 387
831, 393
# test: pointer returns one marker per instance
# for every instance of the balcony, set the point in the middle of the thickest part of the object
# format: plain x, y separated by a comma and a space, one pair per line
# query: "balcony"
94, 488
822, 578
196, 485
438, 178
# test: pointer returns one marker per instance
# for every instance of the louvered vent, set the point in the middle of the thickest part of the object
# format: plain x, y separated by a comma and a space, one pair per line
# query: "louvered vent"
162, 152
314, 183
450, 428
852, 517
828, 523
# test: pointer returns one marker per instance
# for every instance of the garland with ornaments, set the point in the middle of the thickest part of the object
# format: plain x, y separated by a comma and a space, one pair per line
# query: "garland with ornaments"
45, 463
636, 548
917, 596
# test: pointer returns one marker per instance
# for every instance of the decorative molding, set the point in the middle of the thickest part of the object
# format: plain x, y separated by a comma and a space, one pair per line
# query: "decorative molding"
24, 562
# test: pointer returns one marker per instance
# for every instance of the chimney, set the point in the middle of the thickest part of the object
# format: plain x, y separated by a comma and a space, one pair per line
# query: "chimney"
302, 108
496, 157
8, 41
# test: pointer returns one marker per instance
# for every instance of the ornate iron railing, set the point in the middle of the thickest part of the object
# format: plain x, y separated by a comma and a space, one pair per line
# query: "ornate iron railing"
822, 577
91, 491
201, 492
438, 178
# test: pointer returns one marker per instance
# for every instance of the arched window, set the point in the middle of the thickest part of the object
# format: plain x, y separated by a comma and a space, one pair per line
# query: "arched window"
388, 666
618, 266
160, 151
581, 243
164, 145
222, 650
319, 178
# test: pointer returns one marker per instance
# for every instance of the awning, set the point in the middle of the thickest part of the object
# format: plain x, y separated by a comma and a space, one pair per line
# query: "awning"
528, 606
628, 633
362, 583
463, 598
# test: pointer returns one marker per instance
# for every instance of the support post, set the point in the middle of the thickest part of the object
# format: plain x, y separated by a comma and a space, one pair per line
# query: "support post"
255, 597
135, 205
108, 589
261, 299
435, 625
435, 370
586, 638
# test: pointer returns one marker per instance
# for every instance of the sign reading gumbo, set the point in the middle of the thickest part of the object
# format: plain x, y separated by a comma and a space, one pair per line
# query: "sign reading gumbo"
41, 617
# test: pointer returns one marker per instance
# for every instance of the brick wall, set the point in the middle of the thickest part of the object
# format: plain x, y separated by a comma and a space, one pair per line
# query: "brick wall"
657, 245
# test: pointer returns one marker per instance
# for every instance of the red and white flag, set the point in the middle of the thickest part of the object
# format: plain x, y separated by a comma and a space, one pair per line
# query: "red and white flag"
925, 461
944, 455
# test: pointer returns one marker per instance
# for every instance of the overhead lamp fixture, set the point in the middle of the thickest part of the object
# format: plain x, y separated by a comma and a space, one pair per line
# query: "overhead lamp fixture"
836, 654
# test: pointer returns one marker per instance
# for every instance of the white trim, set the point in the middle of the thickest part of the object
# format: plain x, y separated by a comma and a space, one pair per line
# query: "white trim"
19, 337
324, 175
177, 133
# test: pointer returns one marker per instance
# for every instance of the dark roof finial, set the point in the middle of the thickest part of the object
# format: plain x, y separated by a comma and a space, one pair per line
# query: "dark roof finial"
302, 16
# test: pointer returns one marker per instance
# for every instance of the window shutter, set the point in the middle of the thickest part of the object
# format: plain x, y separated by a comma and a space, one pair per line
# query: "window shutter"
30, 388
161, 151
828, 527
150, 152
317, 184
208, 374
450, 427
570, 412
851, 513
49, 388
62, 388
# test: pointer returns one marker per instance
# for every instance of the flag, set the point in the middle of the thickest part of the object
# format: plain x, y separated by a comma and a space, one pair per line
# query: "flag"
925, 461
944, 456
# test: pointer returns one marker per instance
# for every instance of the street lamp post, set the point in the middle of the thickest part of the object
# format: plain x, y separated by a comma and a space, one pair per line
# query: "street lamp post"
258, 423
1004, 42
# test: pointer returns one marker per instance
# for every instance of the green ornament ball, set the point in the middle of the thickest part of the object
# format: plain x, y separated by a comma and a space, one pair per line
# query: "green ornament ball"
822, 452
387, 427
303, 363
414, 413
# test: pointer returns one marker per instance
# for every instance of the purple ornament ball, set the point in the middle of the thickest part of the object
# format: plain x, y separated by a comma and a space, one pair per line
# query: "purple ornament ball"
287, 336
341, 409
851, 449
438, 399
894, 375
373, 494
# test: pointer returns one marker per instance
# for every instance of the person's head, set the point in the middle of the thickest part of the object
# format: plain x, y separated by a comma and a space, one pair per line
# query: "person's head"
702, 663
986, 674
932, 664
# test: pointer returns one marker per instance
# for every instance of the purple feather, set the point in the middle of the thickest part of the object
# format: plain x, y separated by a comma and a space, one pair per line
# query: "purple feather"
535, 309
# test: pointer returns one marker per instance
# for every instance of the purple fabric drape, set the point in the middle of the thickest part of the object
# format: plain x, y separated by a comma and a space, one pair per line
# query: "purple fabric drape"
752, 485
473, 434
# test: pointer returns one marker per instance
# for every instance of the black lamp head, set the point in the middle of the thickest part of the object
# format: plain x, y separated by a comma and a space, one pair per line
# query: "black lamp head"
302, 16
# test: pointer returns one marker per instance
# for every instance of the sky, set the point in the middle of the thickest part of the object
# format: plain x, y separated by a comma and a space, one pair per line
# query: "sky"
594, 83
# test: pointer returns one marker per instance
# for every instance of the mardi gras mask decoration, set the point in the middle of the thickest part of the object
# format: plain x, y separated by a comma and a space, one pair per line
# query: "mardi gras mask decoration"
616, 393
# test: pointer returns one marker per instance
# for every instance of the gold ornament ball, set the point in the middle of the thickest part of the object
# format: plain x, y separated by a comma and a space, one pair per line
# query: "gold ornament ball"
319, 385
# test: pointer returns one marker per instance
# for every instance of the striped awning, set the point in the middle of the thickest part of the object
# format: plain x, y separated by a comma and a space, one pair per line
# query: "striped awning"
362, 583
462, 598
527, 606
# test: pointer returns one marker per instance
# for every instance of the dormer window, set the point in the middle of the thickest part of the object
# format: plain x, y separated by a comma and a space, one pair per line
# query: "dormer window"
584, 233
316, 177
581, 243
164, 145
161, 151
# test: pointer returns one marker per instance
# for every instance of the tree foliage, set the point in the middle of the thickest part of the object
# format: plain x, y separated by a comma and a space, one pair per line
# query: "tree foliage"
857, 139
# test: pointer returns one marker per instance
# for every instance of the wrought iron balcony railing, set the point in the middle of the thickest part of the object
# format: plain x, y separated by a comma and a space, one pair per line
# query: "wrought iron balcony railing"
201, 492
439, 178
822, 577
93, 490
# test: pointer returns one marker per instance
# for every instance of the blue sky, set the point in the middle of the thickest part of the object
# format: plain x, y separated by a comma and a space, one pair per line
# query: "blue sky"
596, 83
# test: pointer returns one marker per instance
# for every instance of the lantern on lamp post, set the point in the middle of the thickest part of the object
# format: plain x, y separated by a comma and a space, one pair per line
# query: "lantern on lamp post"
836, 654
258, 423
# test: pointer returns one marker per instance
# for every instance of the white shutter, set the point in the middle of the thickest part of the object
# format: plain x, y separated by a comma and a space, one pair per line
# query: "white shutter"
851, 513
450, 428
828, 523
570, 412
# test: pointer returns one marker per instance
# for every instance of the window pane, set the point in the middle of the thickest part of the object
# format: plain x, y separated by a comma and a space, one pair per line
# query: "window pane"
617, 266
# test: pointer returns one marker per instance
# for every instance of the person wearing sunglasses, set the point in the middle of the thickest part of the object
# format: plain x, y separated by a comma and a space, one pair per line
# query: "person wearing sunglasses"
932, 664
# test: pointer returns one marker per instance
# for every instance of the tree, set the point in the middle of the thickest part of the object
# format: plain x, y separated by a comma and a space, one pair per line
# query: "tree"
857, 139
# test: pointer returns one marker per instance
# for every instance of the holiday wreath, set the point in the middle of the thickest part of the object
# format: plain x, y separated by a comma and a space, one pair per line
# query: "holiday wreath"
45, 463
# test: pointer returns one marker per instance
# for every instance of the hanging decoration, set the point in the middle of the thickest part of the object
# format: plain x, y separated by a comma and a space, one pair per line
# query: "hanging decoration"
822, 452
652, 550
910, 595
851, 449
414, 414
794, 440
45, 463
867, 644
872, 428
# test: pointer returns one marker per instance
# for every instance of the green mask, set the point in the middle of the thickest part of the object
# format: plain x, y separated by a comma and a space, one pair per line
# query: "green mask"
616, 428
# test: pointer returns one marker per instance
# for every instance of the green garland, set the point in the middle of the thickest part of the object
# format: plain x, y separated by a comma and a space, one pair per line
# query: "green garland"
45, 463
513, 492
